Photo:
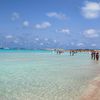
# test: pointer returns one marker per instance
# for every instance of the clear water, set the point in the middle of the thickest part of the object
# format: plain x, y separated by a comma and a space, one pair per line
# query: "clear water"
44, 75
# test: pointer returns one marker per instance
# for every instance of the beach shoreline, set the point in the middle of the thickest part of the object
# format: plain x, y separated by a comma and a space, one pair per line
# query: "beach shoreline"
92, 92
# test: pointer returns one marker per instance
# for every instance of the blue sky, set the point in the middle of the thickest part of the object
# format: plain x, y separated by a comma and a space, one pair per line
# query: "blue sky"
50, 24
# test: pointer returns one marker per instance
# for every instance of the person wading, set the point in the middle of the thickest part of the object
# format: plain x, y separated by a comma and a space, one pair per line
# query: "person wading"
97, 56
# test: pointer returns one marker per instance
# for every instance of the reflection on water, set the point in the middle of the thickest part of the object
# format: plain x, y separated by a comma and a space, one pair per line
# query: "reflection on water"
45, 76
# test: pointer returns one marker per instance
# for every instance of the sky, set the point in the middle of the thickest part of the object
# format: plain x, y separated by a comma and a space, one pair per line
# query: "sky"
39, 24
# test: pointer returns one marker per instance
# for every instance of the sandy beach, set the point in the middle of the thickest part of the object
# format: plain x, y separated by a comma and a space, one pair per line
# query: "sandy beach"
93, 90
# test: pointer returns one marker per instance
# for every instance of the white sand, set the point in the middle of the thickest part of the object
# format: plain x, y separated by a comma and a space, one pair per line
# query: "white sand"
93, 90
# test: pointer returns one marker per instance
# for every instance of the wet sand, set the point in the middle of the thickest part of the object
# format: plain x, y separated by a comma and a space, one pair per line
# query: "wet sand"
93, 90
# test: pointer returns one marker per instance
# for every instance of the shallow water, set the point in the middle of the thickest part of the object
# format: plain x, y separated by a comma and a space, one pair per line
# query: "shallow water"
42, 75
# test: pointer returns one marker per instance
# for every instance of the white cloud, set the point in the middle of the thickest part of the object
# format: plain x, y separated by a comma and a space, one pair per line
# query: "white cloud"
91, 10
26, 23
91, 33
15, 16
43, 25
8, 36
37, 39
72, 43
57, 15
46, 39
16, 41
64, 30
55, 41
93, 45
80, 44
41, 43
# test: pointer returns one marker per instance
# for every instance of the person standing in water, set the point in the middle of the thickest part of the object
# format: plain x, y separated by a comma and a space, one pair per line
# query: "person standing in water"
94, 55
97, 56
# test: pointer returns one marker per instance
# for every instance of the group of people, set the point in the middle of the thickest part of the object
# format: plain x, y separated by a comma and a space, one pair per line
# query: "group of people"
58, 51
95, 55
72, 52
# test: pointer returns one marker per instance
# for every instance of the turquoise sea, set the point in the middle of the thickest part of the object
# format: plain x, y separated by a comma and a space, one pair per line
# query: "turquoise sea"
44, 75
